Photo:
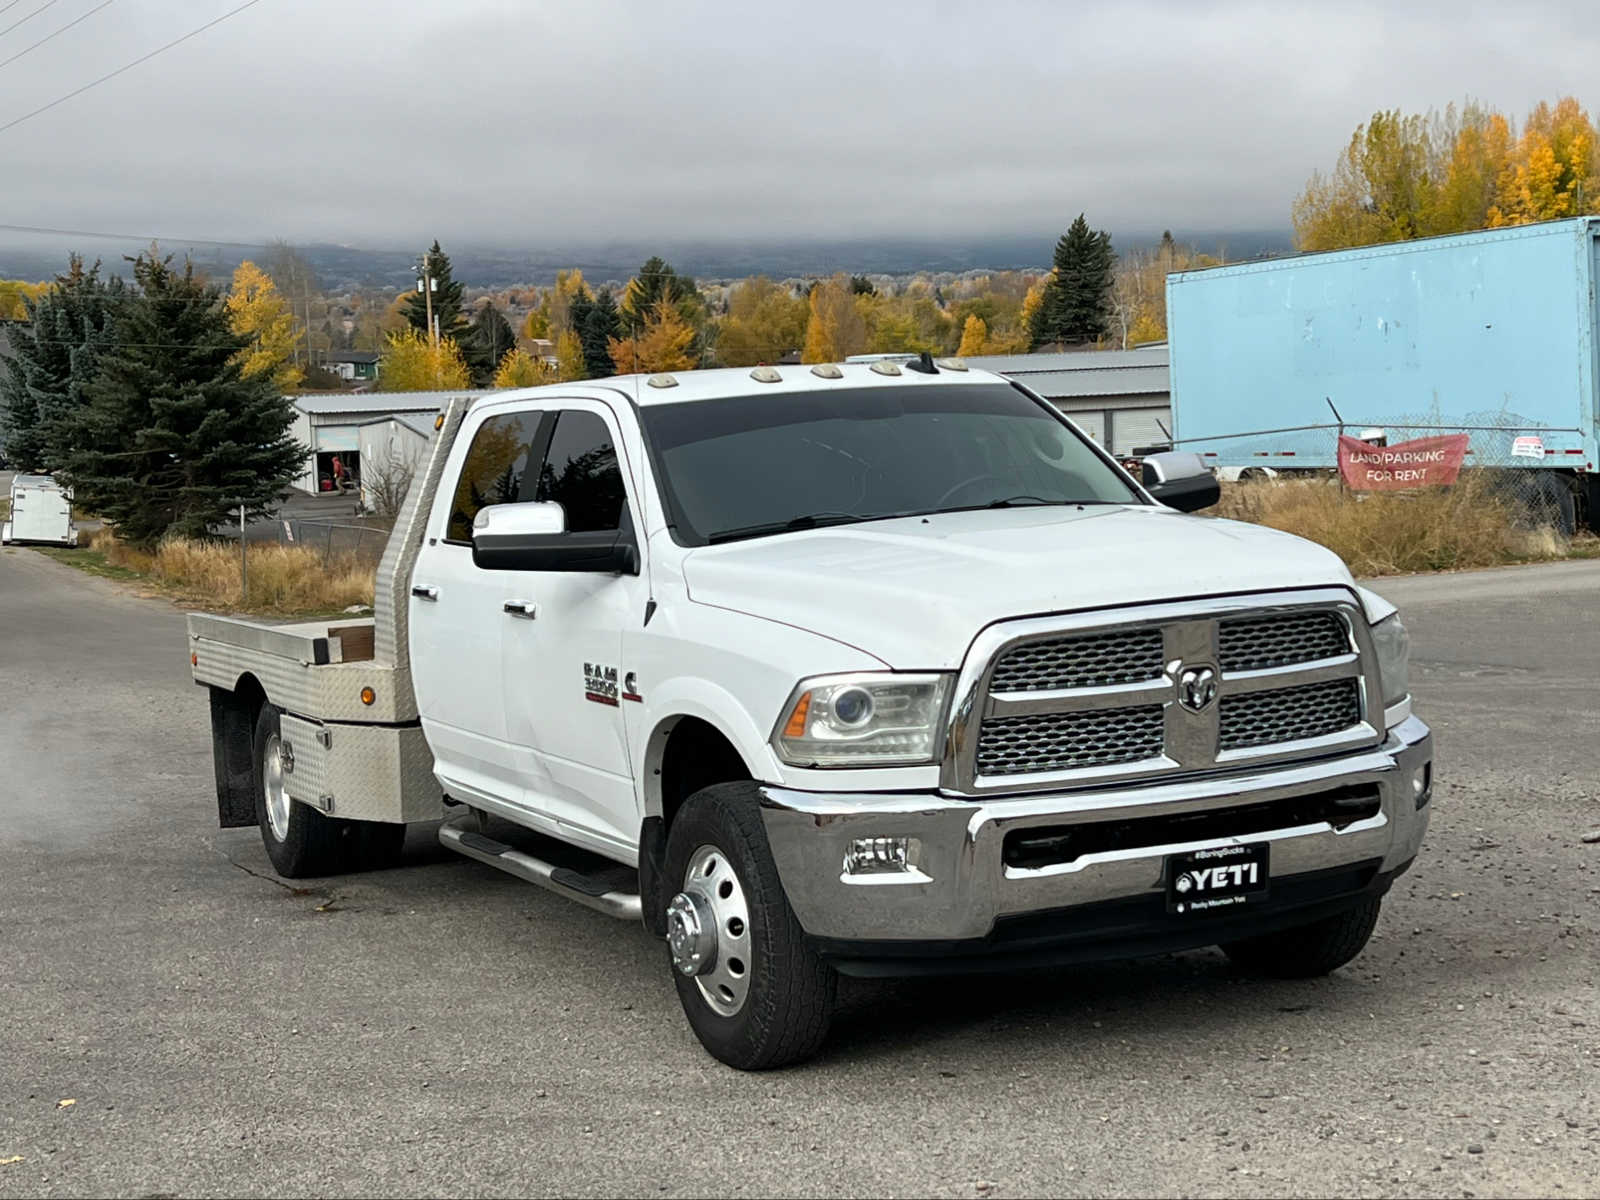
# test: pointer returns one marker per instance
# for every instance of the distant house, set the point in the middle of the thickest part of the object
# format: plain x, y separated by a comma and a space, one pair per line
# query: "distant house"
543, 350
351, 364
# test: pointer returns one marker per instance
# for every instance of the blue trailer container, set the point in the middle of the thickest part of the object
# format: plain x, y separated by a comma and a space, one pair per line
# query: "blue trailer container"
1493, 333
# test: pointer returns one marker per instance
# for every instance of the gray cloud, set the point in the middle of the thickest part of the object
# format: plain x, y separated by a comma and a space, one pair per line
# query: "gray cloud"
382, 122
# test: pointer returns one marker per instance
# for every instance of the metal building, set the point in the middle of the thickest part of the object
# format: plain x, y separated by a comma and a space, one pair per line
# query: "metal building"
332, 425
1121, 398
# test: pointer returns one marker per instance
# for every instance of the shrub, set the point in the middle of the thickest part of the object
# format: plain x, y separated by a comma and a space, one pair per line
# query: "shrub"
1389, 533
283, 579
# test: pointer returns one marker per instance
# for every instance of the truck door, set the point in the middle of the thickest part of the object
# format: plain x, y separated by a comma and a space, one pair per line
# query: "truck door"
457, 610
563, 673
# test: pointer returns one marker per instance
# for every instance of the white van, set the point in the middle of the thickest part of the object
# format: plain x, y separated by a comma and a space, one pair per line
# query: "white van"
41, 511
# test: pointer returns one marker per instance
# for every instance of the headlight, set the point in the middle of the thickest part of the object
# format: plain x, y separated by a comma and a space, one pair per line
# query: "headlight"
862, 721
1393, 645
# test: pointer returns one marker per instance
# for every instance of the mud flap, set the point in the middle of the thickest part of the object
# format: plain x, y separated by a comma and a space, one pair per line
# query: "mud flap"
232, 730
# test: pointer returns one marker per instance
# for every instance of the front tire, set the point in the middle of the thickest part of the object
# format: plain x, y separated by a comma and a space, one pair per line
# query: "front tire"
1307, 951
755, 994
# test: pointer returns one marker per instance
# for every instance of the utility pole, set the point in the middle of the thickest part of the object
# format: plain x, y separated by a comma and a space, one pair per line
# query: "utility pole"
428, 285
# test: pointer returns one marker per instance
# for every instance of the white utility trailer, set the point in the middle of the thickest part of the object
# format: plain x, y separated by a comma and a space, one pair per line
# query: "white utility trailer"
41, 511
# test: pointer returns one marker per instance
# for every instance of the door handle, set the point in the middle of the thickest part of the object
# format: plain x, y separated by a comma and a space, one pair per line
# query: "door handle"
526, 609
423, 591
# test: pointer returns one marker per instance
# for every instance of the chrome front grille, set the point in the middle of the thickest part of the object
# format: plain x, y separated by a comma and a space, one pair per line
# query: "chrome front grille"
1092, 660
1160, 690
1288, 714
1256, 643
1069, 741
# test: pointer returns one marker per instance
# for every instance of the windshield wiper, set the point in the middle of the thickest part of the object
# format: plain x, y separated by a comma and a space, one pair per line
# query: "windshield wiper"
1022, 502
808, 521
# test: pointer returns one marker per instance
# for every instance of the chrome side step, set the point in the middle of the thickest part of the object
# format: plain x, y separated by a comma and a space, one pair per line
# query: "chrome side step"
564, 881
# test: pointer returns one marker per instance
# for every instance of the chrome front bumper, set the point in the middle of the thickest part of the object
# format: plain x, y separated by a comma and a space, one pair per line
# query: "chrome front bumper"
960, 887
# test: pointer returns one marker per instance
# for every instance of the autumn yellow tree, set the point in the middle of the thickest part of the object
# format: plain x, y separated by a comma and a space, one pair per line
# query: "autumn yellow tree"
569, 357
1405, 176
411, 364
557, 302
666, 343
764, 322
257, 311
520, 369
835, 328
14, 293
1551, 173
973, 335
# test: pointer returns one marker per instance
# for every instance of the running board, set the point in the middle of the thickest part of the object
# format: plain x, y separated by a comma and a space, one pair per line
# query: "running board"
564, 881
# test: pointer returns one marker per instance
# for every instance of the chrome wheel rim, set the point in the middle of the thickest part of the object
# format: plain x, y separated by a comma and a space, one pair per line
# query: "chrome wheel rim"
272, 788
708, 929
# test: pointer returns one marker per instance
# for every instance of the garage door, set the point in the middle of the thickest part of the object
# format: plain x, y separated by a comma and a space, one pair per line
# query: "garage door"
336, 437
1135, 427
1092, 423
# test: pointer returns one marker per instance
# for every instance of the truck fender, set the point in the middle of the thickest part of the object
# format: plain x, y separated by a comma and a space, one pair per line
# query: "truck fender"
674, 699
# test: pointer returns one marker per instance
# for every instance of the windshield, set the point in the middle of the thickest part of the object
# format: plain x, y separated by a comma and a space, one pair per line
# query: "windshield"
747, 466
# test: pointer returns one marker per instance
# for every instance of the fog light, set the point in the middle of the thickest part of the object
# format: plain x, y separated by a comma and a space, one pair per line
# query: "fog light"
880, 856
1422, 784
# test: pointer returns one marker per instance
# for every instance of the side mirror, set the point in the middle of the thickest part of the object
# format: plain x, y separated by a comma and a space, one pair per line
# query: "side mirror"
1181, 480
533, 537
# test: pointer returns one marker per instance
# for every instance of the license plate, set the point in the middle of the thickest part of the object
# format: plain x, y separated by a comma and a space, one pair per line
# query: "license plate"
1216, 879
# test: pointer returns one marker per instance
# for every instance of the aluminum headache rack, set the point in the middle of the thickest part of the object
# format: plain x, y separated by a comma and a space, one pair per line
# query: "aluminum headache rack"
1163, 690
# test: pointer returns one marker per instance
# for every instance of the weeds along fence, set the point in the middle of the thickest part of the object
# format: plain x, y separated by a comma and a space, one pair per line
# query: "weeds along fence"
1527, 469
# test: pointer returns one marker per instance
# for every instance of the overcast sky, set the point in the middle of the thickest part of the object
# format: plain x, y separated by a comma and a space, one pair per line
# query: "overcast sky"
523, 123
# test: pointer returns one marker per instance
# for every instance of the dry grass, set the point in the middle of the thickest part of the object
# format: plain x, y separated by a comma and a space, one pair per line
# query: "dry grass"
284, 580
1391, 533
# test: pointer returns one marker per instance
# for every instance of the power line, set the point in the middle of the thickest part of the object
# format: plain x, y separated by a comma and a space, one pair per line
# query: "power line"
56, 34
128, 66
29, 17
9, 7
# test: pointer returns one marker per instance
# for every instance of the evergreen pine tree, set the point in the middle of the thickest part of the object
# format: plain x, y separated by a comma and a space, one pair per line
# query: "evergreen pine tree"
489, 339
447, 309
1076, 309
601, 323
655, 282
52, 360
173, 436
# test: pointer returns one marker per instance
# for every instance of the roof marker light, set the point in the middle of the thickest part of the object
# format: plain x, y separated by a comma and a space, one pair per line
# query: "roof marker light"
766, 375
662, 381
884, 368
951, 364
827, 371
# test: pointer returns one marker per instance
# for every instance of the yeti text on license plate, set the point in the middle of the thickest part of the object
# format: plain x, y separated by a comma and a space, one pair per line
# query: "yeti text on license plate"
1216, 879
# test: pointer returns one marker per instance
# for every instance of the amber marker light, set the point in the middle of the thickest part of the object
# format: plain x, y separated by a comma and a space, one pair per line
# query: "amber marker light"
194, 660
796, 726
368, 695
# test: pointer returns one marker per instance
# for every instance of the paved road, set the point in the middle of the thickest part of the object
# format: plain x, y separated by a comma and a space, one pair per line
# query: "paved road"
442, 1029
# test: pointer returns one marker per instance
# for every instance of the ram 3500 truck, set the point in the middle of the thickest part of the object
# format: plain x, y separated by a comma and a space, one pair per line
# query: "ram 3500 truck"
876, 669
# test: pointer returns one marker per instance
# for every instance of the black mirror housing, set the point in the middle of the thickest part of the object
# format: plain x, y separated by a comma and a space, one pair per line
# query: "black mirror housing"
1180, 480
1187, 495
608, 552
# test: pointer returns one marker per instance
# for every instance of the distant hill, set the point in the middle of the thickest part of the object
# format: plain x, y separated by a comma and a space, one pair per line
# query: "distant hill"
342, 268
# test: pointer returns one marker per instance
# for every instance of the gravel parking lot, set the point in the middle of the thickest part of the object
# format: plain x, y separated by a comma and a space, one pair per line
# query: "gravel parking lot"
177, 1021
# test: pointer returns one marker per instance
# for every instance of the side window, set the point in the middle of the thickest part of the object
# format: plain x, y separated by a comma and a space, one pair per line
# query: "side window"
495, 470
580, 473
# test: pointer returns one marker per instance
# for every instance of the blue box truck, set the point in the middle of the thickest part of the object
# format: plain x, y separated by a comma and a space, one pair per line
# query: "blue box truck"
1492, 333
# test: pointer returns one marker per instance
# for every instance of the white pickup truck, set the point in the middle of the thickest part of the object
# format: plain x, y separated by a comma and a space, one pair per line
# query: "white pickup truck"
876, 669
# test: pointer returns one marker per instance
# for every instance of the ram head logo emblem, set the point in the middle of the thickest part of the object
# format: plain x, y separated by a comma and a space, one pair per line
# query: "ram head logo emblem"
1197, 687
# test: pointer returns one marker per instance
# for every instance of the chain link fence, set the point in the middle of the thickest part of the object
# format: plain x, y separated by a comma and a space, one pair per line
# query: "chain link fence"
331, 539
